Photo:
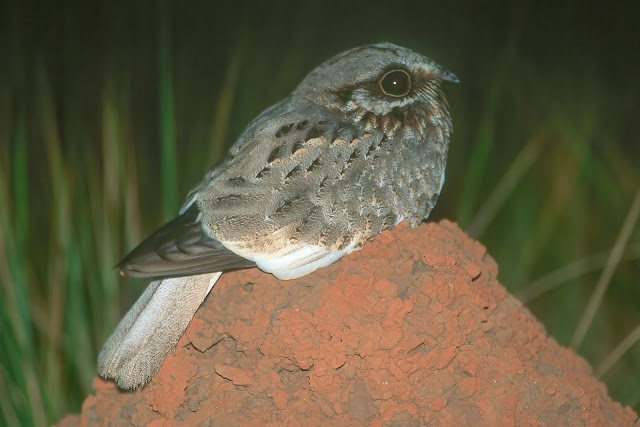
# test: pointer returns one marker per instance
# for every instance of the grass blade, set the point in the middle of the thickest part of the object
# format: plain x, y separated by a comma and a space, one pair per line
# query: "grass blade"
603, 283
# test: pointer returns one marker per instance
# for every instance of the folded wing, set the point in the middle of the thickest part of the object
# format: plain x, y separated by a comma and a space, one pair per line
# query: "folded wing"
180, 248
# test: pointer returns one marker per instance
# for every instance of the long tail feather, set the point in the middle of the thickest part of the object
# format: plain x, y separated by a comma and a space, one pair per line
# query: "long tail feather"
151, 329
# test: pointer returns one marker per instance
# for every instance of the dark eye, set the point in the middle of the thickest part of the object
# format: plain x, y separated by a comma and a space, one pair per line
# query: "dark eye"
396, 83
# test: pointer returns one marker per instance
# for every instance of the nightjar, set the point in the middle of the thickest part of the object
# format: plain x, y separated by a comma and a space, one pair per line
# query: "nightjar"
359, 146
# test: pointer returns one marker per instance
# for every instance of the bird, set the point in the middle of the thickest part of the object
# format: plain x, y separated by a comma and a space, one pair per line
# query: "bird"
359, 146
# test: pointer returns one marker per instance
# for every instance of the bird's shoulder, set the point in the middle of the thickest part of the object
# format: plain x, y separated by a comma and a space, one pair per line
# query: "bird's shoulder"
284, 144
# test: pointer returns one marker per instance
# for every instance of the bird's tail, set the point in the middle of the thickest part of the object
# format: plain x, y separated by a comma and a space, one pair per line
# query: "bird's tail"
151, 329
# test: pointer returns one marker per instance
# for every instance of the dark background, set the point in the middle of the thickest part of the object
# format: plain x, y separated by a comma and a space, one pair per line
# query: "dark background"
111, 110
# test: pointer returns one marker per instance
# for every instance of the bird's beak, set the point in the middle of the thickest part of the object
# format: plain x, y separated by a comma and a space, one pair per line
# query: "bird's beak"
448, 76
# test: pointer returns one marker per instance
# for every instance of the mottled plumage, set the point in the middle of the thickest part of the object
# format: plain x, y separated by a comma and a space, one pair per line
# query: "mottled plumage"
360, 145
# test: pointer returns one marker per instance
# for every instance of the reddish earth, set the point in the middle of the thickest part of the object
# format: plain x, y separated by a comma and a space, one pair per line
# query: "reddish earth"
414, 329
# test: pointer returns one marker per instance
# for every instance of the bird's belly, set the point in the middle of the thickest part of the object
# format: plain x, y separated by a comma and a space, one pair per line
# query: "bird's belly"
291, 260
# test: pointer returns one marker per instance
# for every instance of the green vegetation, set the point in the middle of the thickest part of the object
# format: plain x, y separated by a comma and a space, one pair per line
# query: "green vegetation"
107, 119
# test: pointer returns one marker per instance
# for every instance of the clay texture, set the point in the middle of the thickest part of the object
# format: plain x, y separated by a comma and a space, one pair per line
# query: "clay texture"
412, 330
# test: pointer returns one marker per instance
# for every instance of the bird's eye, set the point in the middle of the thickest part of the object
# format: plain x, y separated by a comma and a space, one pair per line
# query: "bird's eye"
396, 83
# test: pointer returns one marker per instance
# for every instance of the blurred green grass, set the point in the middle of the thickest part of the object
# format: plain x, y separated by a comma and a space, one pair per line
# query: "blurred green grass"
108, 117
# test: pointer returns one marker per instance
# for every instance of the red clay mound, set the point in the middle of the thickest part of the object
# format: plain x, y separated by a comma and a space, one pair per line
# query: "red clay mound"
413, 329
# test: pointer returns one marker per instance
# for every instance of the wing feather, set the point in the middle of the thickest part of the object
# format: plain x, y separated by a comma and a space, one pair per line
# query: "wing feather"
180, 248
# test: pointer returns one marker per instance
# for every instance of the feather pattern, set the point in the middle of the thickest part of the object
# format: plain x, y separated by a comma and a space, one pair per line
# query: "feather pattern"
180, 248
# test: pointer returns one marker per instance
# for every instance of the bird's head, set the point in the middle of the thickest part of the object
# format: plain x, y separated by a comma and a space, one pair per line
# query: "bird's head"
377, 81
